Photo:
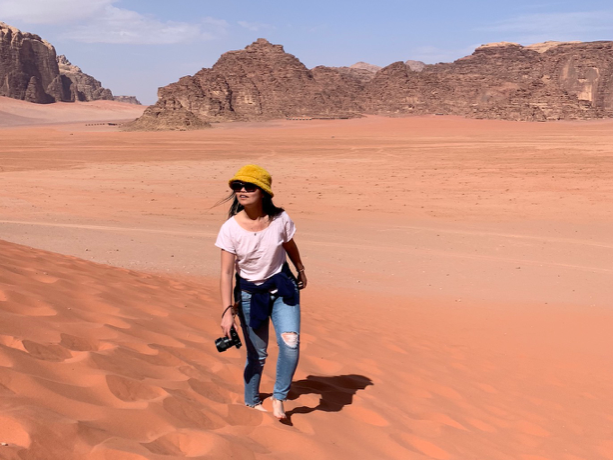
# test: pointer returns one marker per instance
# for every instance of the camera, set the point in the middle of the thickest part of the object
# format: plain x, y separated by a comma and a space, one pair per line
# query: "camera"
223, 343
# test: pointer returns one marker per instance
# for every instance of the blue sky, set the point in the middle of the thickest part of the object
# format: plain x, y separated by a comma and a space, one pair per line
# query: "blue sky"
135, 46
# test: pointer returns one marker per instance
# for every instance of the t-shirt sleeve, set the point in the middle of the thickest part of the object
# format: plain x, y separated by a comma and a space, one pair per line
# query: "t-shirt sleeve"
289, 229
224, 240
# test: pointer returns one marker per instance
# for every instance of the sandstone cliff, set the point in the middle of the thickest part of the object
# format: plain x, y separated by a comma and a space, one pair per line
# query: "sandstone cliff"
362, 71
31, 71
505, 80
416, 66
547, 81
83, 87
166, 118
28, 68
260, 82
127, 99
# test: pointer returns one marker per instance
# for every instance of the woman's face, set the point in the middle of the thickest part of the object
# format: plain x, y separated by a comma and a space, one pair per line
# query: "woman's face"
246, 198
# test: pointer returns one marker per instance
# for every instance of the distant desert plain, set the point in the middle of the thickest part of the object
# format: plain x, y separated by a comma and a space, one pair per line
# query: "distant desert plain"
459, 302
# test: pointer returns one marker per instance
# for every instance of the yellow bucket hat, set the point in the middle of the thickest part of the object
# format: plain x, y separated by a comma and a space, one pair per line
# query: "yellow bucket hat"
254, 175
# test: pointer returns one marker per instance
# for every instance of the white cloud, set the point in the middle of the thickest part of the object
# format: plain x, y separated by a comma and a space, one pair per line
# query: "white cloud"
99, 21
580, 25
255, 26
121, 26
51, 11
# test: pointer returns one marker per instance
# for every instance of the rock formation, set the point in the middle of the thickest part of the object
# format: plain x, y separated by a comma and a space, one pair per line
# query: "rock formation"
508, 81
547, 81
165, 118
366, 66
83, 87
416, 66
30, 70
127, 99
361, 70
261, 82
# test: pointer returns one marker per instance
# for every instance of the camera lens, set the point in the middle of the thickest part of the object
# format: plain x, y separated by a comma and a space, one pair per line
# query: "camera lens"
222, 344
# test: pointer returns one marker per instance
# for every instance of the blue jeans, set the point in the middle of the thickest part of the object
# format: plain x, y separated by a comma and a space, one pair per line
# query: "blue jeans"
285, 319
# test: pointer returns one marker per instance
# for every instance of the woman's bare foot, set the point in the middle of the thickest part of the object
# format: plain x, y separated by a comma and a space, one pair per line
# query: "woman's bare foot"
277, 409
260, 408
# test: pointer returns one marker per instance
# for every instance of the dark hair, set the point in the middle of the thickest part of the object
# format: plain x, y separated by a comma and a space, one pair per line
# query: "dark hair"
268, 206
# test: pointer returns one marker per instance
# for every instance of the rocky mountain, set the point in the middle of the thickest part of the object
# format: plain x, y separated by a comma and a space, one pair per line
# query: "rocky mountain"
546, 81
166, 118
127, 99
84, 87
362, 71
31, 71
416, 66
260, 82
365, 66
28, 68
503, 80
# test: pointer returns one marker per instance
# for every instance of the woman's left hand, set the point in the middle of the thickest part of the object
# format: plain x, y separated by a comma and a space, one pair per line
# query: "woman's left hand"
302, 280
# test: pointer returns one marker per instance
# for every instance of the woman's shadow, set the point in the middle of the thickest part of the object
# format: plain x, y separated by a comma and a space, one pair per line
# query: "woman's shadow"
335, 392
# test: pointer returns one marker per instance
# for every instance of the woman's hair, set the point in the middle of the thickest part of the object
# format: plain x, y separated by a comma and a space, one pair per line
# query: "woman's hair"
268, 206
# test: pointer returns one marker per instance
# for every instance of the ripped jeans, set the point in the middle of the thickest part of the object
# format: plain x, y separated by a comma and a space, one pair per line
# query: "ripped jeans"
286, 321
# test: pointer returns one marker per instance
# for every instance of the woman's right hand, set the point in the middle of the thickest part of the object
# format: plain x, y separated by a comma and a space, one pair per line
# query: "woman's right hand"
227, 322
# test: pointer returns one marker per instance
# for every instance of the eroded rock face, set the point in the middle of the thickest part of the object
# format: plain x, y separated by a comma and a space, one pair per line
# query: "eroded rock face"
28, 67
363, 71
83, 87
547, 81
416, 66
31, 71
127, 99
260, 82
161, 118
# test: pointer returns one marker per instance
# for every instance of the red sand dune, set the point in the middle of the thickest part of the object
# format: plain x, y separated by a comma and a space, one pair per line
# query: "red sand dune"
20, 113
458, 307
99, 362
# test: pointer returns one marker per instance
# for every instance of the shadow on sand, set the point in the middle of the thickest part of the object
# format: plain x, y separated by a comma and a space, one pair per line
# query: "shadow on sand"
336, 392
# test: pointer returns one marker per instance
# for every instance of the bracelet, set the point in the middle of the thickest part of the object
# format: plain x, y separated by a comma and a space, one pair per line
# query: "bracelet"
228, 308
301, 270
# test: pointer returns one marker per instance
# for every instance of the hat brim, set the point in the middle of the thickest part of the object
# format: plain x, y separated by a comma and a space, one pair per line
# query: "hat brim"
252, 180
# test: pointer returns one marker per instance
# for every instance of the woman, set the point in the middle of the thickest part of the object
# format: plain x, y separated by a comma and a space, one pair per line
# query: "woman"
255, 240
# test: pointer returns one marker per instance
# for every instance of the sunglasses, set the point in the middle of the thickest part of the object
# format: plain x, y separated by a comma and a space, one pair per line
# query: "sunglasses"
237, 186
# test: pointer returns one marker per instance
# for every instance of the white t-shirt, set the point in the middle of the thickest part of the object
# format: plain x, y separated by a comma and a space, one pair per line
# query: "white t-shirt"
259, 255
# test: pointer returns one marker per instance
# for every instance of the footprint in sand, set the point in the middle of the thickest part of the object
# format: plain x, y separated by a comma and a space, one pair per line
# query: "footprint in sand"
241, 415
191, 414
78, 343
54, 353
47, 279
25, 305
12, 342
132, 390
213, 391
192, 443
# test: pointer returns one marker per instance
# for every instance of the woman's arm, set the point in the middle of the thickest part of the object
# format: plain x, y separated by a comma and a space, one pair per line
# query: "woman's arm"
294, 254
225, 285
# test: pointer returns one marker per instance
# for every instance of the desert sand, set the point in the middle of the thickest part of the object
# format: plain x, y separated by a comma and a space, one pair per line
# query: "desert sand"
459, 299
